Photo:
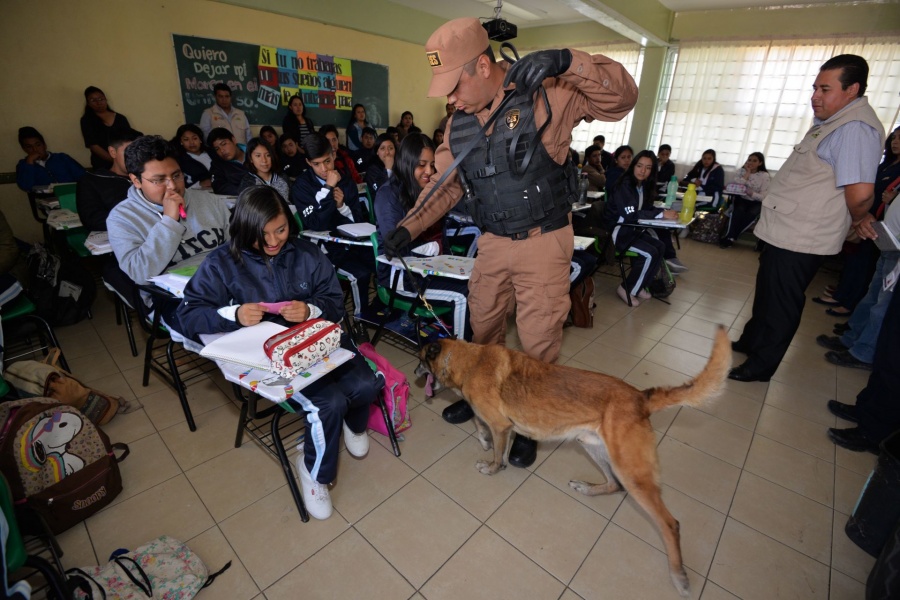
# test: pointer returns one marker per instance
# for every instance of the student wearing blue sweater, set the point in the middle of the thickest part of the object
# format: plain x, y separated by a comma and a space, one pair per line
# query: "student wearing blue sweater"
42, 167
265, 261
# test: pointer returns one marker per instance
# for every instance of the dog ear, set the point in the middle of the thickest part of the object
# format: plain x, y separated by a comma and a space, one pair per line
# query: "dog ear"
432, 351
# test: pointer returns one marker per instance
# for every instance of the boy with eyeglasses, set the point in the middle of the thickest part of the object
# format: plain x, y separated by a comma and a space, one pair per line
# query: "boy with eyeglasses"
160, 225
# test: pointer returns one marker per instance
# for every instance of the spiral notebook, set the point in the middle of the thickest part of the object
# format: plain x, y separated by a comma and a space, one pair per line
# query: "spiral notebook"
886, 239
244, 346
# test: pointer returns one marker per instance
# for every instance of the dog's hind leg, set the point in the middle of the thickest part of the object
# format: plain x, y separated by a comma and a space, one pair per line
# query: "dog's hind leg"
636, 466
483, 434
596, 449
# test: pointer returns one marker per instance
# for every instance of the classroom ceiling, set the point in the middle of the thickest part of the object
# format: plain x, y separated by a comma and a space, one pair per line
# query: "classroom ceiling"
536, 13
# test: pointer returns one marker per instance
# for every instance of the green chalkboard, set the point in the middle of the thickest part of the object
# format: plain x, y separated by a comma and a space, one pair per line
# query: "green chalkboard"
330, 85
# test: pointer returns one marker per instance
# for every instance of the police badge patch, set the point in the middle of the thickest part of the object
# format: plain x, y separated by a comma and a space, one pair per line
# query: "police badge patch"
434, 58
512, 118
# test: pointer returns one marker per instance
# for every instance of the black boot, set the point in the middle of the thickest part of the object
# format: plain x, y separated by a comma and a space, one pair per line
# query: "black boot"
523, 451
458, 412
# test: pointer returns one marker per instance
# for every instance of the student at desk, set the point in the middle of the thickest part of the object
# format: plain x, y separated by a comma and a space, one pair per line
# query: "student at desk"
325, 199
624, 208
41, 167
413, 169
265, 261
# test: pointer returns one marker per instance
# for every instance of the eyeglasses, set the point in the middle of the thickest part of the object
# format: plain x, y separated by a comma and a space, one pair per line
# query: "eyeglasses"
161, 181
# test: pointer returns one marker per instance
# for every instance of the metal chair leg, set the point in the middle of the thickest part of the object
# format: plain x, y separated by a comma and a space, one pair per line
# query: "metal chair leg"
51, 337
179, 386
129, 330
622, 271
389, 424
242, 419
286, 467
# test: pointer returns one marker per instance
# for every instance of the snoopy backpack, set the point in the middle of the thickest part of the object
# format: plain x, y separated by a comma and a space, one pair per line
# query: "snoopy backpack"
57, 462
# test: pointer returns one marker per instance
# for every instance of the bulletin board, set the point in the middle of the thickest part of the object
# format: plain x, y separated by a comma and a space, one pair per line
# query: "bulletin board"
263, 79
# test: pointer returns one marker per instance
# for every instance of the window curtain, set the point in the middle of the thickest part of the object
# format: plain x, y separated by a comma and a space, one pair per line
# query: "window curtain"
753, 96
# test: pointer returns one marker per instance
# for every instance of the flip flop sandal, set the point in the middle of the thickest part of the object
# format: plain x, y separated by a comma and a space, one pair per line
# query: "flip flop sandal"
826, 301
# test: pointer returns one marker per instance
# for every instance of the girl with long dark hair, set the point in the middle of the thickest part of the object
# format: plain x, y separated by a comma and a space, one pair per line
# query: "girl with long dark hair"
266, 261
412, 172
746, 207
193, 158
621, 215
708, 176
355, 126
296, 122
99, 124
262, 163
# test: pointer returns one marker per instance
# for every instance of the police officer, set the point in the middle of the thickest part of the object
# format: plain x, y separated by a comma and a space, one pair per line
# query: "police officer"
518, 190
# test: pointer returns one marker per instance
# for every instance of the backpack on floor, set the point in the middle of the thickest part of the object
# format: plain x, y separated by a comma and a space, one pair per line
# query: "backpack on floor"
164, 568
582, 296
663, 284
708, 227
49, 380
58, 463
61, 288
396, 392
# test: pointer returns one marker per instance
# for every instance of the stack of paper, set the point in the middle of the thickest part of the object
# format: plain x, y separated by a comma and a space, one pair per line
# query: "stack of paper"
63, 218
98, 243
175, 280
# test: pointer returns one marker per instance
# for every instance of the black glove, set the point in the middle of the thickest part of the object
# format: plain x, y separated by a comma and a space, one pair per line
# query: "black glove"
396, 241
530, 71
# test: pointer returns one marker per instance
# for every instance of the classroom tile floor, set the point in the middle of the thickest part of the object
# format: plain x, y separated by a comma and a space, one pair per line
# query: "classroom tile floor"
761, 493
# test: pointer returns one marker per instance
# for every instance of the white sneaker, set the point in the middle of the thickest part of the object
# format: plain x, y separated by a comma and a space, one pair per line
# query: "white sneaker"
624, 296
315, 494
676, 266
357, 443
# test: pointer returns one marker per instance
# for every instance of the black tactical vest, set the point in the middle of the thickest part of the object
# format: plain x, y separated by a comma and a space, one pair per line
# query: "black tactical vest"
499, 200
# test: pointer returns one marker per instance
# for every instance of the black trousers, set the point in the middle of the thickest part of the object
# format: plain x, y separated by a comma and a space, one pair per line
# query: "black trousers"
743, 213
878, 404
781, 283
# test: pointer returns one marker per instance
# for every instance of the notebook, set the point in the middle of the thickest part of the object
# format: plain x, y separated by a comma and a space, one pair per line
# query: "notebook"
886, 240
244, 346
357, 230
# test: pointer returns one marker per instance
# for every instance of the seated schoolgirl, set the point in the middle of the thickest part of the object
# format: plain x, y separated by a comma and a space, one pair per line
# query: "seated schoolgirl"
268, 134
708, 176
624, 209
413, 168
621, 159
265, 261
263, 168
746, 207
193, 157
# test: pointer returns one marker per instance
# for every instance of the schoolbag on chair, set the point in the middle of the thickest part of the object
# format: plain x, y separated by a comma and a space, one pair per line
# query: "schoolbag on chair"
58, 463
61, 288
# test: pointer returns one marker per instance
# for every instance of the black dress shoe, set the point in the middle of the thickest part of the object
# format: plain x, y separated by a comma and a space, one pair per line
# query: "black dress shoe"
458, 412
843, 411
845, 359
831, 342
523, 452
743, 373
840, 328
738, 347
852, 439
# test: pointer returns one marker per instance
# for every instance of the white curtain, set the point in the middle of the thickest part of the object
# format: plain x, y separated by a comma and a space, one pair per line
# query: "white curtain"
753, 96
631, 56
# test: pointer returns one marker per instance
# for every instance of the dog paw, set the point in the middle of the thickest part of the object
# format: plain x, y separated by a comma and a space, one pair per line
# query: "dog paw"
486, 468
594, 489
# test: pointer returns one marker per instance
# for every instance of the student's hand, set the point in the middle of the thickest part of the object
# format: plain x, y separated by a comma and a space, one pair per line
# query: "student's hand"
250, 314
888, 195
670, 214
171, 201
297, 312
864, 229
31, 158
396, 241
339, 197
389, 163
332, 178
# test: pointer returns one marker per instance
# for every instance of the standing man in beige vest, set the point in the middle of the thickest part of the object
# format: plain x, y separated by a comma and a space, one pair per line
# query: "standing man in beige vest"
823, 191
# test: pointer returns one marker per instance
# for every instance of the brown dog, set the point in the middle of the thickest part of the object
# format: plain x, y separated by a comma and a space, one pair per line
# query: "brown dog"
511, 392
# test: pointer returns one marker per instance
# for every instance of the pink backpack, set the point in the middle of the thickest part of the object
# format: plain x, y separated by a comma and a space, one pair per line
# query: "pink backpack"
396, 392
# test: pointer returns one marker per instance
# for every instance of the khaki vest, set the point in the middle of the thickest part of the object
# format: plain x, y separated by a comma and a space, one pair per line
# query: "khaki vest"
805, 211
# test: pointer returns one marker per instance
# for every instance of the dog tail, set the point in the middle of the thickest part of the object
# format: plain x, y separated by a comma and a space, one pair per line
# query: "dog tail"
703, 387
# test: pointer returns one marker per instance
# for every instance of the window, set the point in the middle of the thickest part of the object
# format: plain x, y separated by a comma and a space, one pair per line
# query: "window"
631, 56
753, 96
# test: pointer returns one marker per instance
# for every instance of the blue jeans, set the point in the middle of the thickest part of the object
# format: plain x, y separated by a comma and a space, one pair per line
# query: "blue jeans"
865, 322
